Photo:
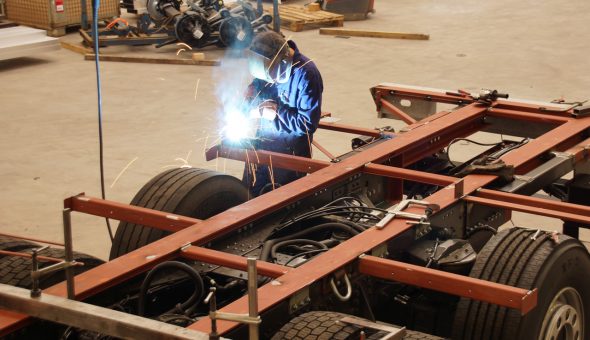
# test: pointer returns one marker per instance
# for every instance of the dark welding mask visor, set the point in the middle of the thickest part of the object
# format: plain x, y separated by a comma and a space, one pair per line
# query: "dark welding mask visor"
269, 70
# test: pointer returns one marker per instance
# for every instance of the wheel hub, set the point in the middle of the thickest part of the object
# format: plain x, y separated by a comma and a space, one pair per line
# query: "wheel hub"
564, 319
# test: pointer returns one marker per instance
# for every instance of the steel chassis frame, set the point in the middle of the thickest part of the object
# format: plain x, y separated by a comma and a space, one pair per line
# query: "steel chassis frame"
569, 134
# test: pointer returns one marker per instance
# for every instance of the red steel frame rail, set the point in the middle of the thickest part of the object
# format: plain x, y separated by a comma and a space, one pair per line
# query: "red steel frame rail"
386, 159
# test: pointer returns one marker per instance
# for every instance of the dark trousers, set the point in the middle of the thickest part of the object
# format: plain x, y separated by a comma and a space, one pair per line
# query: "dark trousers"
261, 178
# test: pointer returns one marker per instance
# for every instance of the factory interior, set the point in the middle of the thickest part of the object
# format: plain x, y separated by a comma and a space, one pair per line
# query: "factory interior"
163, 108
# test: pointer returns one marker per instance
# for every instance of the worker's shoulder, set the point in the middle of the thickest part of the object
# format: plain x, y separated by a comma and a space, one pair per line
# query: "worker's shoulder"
306, 67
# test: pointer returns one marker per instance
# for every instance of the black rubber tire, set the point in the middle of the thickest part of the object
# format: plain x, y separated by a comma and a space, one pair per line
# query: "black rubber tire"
13, 244
16, 270
512, 257
188, 192
324, 325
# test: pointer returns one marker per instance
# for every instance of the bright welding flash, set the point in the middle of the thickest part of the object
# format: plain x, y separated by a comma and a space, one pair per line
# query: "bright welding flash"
237, 126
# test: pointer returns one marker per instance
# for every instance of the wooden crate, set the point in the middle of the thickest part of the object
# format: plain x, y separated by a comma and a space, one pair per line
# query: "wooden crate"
297, 18
45, 14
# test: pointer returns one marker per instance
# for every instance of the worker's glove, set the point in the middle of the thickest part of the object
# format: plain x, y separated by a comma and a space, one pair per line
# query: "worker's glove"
266, 110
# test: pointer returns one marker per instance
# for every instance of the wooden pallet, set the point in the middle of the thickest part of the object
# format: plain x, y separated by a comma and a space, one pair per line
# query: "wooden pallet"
297, 18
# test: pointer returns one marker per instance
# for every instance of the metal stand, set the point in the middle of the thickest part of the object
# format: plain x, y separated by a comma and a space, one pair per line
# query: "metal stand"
276, 18
66, 265
252, 318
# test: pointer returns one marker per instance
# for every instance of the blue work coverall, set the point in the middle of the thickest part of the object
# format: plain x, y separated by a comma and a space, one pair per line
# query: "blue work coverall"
291, 132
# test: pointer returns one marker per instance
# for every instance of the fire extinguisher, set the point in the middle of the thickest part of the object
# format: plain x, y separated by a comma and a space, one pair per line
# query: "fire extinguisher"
59, 6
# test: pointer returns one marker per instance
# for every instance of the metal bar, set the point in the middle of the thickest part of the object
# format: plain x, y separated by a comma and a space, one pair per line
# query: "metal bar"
408, 174
279, 160
401, 114
42, 258
530, 209
32, 239
322, 149
353, 129
90, 317
231, 261
535, 203
527, 116
252, 297
69, 252
129, 213
417, 176
503, 295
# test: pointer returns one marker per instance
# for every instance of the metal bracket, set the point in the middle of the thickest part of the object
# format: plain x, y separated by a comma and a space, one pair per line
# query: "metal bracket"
397, 212
299, 300
393, 333
252, 319
66, 265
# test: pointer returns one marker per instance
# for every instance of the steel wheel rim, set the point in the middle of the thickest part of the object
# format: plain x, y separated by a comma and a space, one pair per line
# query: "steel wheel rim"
564, 319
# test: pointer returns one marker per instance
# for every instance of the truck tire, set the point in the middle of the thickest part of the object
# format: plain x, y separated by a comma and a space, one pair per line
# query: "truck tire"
188, 192
518, 258
322, 325
16, 270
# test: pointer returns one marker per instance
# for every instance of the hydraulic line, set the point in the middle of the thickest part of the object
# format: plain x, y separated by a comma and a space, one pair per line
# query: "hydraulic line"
266, 248
276, 246
193, 300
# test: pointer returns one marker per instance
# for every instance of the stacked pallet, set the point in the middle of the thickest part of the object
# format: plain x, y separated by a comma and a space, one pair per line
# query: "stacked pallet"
297, 18
25, 41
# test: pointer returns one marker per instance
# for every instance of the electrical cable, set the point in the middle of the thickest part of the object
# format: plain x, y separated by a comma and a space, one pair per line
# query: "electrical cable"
95, 7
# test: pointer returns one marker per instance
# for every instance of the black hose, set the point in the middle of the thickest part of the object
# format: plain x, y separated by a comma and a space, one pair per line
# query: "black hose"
273, 250
195, 298
266, 248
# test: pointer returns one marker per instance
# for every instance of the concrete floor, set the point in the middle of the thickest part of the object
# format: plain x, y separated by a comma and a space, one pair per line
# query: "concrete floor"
530, 49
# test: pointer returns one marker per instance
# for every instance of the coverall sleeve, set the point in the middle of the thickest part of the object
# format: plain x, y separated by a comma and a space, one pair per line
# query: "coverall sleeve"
305, 117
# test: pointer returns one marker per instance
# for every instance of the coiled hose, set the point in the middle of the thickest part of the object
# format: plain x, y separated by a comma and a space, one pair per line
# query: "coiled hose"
265, 252
193, 300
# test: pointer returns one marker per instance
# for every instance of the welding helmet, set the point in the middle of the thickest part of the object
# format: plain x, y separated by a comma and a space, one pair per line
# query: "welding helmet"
269, 58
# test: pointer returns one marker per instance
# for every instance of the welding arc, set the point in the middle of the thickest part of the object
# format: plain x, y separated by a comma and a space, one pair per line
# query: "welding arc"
95, 6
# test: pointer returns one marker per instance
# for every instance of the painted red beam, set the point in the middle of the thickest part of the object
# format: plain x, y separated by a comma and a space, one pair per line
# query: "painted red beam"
434, 96
396, 111
232, 261
416, 176
129, 213
278, 160
322, 149
465, 286
527, 116
353, 129
532, 205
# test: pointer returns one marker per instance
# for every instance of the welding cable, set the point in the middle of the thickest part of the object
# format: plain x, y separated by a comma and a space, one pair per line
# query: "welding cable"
267, 246
95, 7
299, 241
195, 298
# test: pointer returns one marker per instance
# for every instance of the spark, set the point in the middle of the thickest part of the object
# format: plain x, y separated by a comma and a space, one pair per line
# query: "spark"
305, 63
122, 171
205, 144
308, 140
180, 50
184, 161
197, 88
271, 172
183, 44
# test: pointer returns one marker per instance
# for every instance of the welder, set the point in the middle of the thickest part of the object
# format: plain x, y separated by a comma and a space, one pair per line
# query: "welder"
286, 95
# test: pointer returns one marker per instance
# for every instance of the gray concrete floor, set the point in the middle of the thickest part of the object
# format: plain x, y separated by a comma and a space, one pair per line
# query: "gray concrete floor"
530, 49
